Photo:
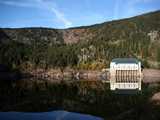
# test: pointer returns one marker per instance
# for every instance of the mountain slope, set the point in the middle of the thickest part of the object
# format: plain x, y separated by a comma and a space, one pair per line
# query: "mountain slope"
96, 45
28, 35
109, 30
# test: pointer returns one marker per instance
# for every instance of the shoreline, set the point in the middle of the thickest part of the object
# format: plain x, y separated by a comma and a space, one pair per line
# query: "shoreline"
149, 75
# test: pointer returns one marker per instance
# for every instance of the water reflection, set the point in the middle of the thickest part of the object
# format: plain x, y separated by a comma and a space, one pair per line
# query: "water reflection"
53, 115
91, 97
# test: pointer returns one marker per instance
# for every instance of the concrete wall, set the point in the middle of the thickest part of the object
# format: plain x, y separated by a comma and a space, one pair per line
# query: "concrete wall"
125, 76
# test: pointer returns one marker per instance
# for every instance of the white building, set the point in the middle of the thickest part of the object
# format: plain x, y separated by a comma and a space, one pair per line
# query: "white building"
125, 73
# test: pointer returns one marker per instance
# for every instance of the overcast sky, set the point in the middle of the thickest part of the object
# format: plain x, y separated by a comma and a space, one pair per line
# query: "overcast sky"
69, 13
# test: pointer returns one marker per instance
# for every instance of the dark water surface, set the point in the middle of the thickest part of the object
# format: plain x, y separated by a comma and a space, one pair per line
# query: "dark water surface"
52, 115
85, 97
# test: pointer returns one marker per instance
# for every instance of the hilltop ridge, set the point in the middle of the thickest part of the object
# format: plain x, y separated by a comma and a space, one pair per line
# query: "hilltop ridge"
137, 36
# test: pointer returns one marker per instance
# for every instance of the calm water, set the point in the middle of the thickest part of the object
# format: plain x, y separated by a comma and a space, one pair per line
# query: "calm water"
34, 98
53, 115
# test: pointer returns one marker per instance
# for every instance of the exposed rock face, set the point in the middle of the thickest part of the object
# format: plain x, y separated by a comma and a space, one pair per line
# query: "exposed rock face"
31, 35
156, 98
75, 35
154, 35
151, 75
69, 74
50, 36
108, 31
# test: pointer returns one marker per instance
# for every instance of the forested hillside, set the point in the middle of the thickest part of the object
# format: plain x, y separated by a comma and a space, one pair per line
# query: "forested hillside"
89, 47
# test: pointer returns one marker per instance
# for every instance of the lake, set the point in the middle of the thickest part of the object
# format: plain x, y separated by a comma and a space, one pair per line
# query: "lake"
52, 115
35, 98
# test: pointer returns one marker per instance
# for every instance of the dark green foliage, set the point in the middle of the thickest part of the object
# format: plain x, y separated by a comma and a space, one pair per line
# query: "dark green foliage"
41, 55
13, 53
61, 56
45, 48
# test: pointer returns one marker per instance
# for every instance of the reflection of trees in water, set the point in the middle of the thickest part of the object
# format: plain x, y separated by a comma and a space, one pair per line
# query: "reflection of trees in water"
87, 97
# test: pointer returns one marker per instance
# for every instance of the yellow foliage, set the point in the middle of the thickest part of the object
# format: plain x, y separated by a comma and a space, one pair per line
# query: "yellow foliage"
26, 66
96, 65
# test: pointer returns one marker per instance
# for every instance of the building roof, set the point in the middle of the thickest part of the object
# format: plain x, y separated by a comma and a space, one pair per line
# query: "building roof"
125, 60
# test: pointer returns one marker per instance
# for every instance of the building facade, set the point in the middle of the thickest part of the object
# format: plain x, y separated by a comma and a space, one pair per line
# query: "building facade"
125, 74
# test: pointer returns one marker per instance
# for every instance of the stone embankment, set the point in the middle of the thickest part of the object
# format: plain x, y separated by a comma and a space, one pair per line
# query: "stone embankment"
69, 74
149, 75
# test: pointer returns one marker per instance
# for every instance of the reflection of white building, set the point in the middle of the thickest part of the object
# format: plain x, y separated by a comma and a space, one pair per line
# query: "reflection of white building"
125, 73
